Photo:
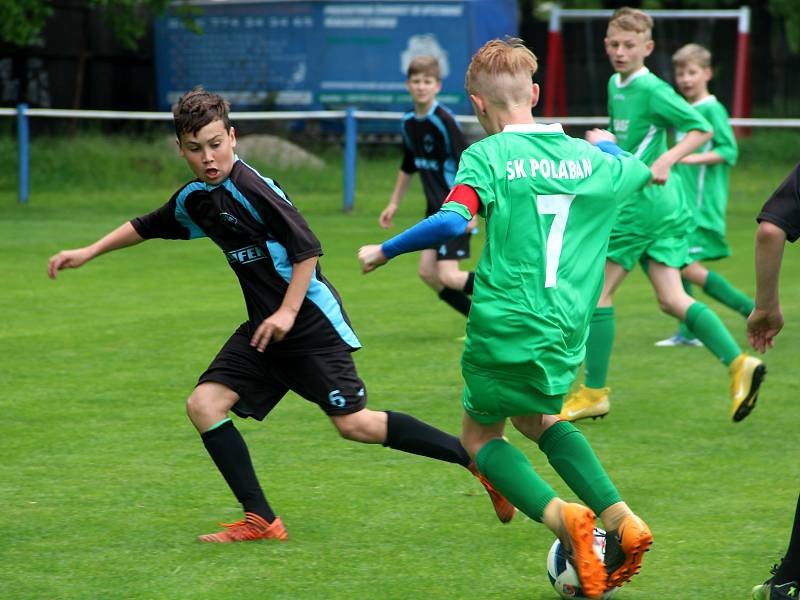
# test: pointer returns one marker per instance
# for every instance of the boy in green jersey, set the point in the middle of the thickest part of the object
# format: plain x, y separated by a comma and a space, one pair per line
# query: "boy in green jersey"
652, 226
549, 201
703, 179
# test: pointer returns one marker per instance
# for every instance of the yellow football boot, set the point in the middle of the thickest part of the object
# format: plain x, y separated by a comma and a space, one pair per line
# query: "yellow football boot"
747, 373
585, 403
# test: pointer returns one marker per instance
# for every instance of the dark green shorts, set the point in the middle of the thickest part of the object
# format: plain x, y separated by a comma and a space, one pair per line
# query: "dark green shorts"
626, 249
489, 399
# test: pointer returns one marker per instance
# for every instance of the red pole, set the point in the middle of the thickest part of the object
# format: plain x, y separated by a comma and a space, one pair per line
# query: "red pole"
554, 90
741, 85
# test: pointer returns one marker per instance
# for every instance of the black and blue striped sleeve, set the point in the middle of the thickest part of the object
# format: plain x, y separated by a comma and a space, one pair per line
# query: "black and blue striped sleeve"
783, 207
162, 223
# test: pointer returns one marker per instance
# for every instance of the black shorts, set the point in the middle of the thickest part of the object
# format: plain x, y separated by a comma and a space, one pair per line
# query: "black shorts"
455, 249
262, 379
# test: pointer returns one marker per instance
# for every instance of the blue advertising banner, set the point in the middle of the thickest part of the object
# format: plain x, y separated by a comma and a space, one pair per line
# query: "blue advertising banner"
315, 55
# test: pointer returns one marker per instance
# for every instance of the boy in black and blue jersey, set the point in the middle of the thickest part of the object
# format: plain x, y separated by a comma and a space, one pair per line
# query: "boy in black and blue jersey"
297, 335
432, 147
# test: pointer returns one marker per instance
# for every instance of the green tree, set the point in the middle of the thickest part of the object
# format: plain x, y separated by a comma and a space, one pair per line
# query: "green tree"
23, 20
786, 10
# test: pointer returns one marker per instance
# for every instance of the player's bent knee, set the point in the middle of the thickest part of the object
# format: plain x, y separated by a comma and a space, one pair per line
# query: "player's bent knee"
532, 427
208, 401
669, 306
365, 426
452, 281
194, 405
431, 278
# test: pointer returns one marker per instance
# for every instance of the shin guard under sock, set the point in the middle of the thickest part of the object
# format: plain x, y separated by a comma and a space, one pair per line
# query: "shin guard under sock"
512, 474
405, 433
229, 452
469, 286
721, 289
708, 328
599, 346
457, 299
576, 463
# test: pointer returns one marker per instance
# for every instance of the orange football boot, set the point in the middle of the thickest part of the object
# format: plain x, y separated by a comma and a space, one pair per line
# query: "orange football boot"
252, 527
504, 509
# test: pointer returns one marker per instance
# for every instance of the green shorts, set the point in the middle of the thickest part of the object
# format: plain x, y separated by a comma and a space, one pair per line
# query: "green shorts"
626, 249
705, 244
488, 399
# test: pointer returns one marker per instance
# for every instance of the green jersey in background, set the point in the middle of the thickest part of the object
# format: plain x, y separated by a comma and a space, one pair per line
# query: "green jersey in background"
705, 187
640, 112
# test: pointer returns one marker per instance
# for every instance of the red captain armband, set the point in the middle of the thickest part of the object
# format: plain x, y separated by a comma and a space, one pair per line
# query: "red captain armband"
465, 195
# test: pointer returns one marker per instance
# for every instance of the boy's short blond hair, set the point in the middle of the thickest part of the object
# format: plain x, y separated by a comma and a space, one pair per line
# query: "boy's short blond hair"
632, 19
424, 65
508, 65
692, 53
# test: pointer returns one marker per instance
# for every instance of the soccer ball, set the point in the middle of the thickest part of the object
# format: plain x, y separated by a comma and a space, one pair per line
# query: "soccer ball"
563, 576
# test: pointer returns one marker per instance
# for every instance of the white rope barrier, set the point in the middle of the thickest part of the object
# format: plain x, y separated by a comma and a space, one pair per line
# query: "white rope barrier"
349, 117
340, 114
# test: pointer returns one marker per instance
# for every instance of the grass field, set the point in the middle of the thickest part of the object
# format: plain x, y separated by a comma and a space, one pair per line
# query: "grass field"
104, 483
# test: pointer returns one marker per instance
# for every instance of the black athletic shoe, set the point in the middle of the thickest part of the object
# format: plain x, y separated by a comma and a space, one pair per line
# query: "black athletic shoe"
769, 591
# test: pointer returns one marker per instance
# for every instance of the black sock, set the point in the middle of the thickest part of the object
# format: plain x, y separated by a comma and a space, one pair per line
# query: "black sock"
458, 300
229, 452
789, 569
470, 284
404, 432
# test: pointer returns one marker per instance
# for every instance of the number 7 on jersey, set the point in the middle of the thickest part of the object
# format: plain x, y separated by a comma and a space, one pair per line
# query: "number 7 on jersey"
558, 205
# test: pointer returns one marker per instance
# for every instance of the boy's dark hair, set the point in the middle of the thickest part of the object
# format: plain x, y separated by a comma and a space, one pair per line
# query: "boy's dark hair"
196, 109
424, 65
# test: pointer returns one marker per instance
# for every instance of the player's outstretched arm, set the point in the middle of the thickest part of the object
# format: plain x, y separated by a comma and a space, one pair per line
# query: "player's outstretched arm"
766, 320
691, 142
450, 221
400, 187
438, 228
703, 158
122, 237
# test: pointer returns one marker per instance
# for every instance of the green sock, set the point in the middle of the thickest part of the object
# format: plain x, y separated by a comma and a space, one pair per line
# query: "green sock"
683, 328
599, 346
721, 289
574, 460
512, 474
709, 329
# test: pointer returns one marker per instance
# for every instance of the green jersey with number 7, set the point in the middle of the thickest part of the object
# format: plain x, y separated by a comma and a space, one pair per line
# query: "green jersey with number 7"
549, 201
